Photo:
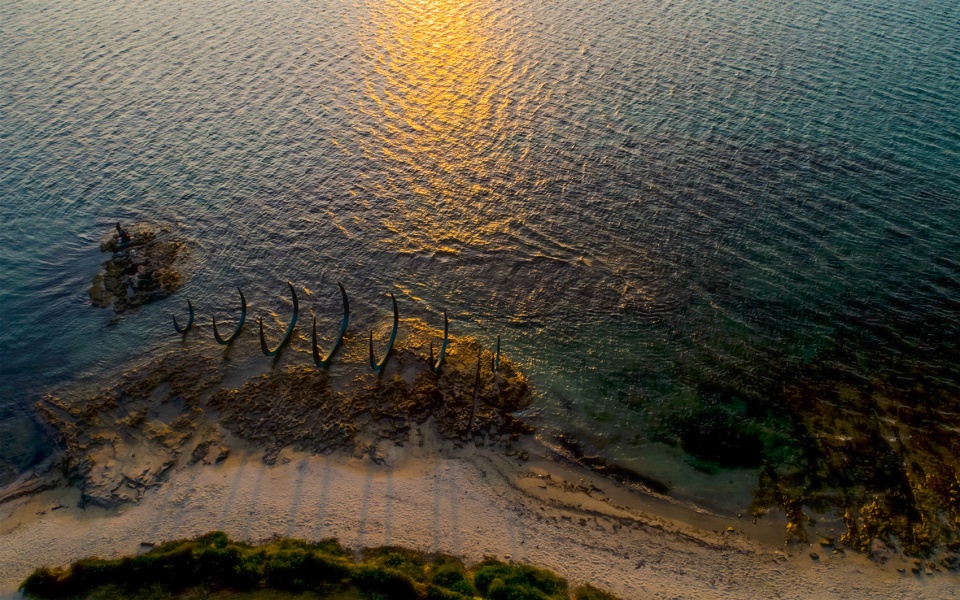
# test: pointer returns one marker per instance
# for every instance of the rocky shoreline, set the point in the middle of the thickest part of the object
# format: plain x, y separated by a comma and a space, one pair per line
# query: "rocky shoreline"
195, 408
180, 408
469, 502
119, 443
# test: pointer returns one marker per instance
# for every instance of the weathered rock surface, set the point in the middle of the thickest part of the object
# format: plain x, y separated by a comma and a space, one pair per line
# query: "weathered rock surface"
121, 442
42, 477
300, 407
148, 267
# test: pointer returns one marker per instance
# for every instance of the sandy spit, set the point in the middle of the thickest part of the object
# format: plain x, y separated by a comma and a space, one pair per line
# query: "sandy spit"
470, 503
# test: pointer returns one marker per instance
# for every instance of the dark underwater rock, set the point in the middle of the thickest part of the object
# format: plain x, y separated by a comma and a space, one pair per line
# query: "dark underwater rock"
574, 451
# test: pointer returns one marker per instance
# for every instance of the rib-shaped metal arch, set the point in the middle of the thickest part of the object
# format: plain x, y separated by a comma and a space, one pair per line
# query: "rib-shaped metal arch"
184, 330
236, 330
476, 392
443, 347
286, 336
325, 362
377, 366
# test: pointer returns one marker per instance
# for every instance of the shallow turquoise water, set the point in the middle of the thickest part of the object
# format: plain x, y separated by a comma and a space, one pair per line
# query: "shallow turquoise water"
640, 197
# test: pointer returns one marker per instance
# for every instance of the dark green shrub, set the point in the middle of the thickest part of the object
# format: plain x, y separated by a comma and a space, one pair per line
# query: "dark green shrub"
289, 544
214, 539
408, 562
439, 593
502, 581
324, 570
387, 573
224, 566
449, 573
171, 565
300, 570
250, 569
113, 592
282, 570
390, 583
93, 572
588, 592
331, 547
48, 583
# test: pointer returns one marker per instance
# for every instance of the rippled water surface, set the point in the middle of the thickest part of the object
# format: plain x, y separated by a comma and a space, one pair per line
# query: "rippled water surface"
654, 203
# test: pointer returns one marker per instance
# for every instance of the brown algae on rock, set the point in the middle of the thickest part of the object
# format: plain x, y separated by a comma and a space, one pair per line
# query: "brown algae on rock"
883, 456
869, 455
302, 407
148, 267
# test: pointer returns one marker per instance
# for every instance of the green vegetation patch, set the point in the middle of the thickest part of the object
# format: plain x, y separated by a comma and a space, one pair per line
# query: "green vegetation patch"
214, 566
450, 579
588, 592
506, 581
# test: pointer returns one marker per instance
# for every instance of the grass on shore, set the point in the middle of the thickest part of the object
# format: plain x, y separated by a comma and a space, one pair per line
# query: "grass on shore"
212, 566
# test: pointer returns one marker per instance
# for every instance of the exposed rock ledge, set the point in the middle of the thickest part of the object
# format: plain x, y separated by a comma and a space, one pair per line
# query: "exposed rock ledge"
120, 442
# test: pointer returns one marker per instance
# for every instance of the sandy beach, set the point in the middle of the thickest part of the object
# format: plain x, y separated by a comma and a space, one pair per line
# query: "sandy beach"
470, 502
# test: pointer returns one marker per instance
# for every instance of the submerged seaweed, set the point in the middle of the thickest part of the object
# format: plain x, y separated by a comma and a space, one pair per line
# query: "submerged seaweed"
876, 445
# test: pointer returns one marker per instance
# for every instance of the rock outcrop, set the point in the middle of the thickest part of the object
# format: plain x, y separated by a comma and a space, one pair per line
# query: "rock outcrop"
147, 268
121, 442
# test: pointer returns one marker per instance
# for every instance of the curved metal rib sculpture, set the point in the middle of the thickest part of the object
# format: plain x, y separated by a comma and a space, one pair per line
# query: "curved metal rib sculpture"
443, 347
236, 330
377, 366
476, 392
184, 330
286, 336
325, 362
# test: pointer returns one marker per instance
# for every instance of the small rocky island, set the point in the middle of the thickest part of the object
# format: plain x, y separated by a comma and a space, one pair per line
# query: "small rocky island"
147, 266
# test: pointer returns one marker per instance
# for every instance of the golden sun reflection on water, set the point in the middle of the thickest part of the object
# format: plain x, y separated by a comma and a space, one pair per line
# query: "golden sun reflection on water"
438, 107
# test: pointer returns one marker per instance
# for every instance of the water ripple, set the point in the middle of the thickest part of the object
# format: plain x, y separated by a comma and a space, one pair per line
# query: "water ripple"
618, 187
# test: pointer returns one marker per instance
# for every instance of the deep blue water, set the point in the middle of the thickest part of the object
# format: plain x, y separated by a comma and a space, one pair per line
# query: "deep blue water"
637, 196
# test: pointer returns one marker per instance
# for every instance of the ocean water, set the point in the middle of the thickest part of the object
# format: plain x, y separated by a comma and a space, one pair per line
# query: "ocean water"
651, 202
